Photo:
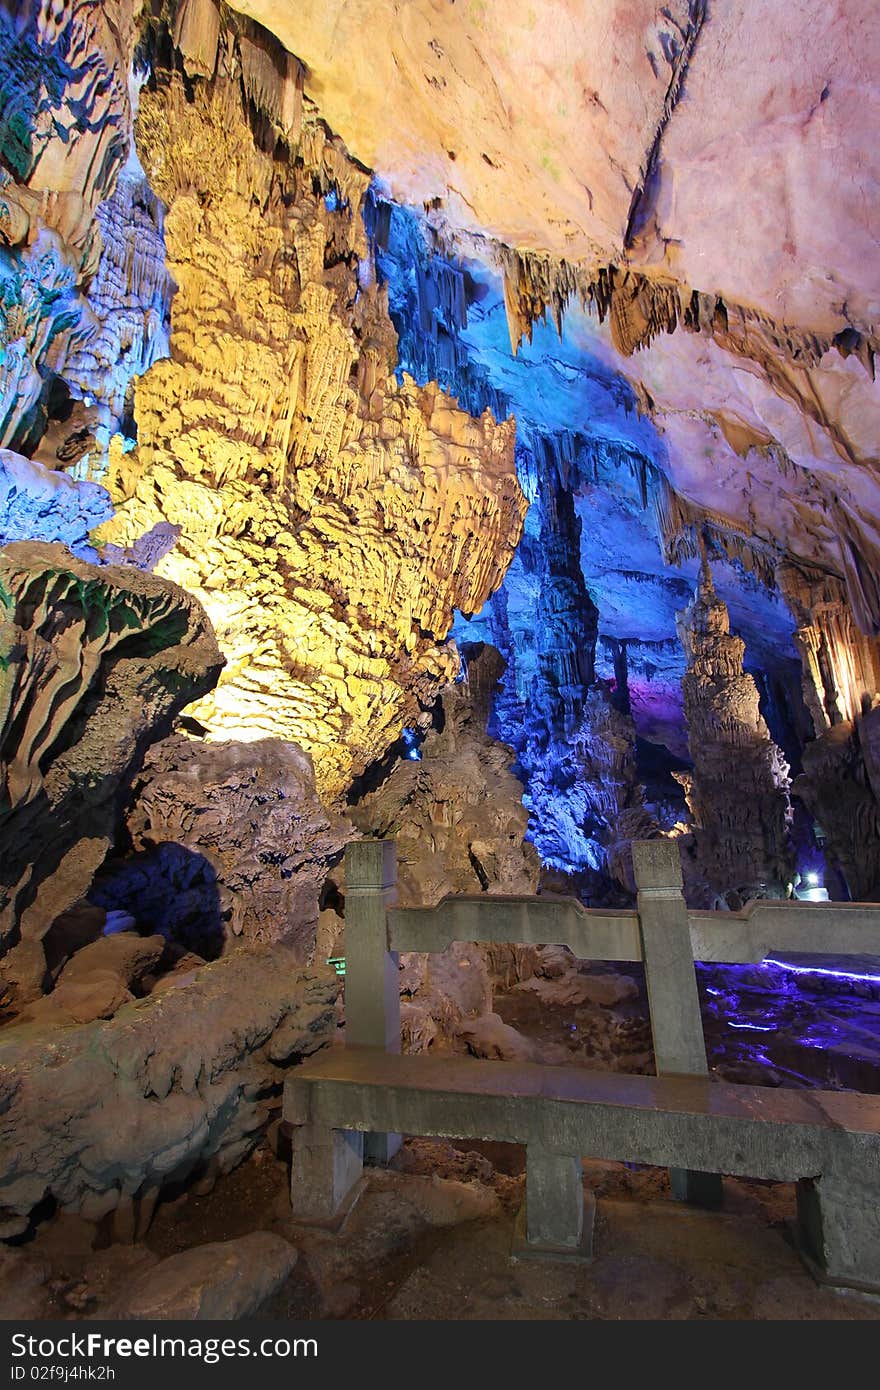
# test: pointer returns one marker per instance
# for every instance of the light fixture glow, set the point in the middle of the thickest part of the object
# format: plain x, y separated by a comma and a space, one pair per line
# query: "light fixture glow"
821, 970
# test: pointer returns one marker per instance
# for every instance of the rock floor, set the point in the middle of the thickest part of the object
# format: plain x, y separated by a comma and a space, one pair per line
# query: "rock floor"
430, 1239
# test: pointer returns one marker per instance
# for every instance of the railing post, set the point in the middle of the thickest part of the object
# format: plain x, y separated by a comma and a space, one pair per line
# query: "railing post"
372, 984
676, 1024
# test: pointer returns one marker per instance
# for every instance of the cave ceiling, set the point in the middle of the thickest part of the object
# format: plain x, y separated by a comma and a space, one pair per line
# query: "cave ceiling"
717, 143
719, 159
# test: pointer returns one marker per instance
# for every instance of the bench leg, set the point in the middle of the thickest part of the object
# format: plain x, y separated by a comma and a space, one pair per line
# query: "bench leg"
556, 1222
698, 1188
379, 1149
326, 1165
839, 1231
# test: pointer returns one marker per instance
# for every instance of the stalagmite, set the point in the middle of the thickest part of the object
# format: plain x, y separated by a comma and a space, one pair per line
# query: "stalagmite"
738, 791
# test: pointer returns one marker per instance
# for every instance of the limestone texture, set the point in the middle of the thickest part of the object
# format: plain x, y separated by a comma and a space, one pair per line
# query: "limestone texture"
700, 221
65, 119
97, 661
230, 842
738, 792
97, 980
224, 1280
331, 516
456, 810
839, 786
40, 504
102, 1116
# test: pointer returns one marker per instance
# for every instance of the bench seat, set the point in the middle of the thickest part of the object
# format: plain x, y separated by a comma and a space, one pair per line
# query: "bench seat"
827, 1141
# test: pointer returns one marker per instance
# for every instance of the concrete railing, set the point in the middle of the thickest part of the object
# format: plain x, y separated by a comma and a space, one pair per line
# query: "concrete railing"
829, 1142
662, 932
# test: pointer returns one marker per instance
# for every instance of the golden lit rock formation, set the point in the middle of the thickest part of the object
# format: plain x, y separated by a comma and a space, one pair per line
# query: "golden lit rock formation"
331, 517
699, 175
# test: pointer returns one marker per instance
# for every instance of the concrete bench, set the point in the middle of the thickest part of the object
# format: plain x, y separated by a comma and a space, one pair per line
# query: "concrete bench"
827, 1141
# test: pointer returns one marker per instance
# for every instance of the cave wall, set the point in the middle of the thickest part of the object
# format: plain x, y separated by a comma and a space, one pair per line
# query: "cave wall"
706, 226
328, 514
65, 119
586, 614
95, 662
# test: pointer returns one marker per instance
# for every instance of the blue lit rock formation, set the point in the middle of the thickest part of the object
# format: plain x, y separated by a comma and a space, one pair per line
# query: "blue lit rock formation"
41, 504
64, 137
585, 617
128, 315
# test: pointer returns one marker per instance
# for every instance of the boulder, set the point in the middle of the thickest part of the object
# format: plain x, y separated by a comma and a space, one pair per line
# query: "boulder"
574, 989
102, 1115
224, 1280
489, 1036
97, 980
125, 954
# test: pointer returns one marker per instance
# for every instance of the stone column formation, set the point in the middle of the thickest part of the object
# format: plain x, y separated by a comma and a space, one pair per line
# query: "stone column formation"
331, 517
575, 739
840, 665
738, 792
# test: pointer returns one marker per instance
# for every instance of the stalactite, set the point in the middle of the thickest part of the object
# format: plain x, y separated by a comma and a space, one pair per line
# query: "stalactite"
429, 296
575, 745
640, 307
620, 697
331, 516
65, 117
273, 79
197, 35
840, 665
682, 527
